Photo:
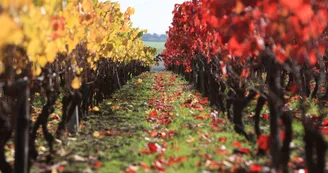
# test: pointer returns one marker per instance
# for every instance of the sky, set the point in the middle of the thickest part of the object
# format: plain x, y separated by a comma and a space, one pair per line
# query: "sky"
153, 15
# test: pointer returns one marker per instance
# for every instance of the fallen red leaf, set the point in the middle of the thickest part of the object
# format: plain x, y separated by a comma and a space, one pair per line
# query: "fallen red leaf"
245, 150
153, 114
206, 156
152, 147
199, 118
255, 168
263, 142
97, 164
298, 160
204, 101
164, 145
324, 130
236, 144
164, 120
216, 121
60, 168
163, 135
173, 160
198, 107
325, 122
265, 116
131, 169
153, 134
223, 139
158, 165
211, 164
144, 166
220, 151
145, 151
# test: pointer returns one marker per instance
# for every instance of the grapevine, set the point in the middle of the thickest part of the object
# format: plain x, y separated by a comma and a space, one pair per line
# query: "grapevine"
272, 50
69, 49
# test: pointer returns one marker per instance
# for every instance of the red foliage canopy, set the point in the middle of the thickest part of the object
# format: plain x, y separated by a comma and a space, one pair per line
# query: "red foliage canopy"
240, 29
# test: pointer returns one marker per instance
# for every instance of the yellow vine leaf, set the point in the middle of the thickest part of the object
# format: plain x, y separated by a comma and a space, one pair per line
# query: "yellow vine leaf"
87, 6
36, 70
15, 4
76, 83
96, 134
96, 108
129, 11
34, 47
79, 70
44, 30
116, 107
71, 21
54, 171
2, 67
51, 51
42, 61
11, 33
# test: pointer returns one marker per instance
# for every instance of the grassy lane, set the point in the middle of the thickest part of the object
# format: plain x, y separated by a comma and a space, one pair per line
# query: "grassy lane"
108, 134
158, 123
184, 135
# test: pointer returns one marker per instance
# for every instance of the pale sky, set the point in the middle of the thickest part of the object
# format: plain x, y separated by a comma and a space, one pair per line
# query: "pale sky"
153, 15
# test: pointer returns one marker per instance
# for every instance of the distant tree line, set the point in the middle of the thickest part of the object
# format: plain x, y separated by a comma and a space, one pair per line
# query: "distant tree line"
154, 37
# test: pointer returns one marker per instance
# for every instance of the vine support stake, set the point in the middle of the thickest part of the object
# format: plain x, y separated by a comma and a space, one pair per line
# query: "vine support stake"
73, 123
22, 128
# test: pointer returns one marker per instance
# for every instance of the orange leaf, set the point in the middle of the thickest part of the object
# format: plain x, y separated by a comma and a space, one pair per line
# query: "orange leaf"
144, 166
298, 160
313, 58
61, 168
281, 58
291, 5
236, 144
145, 151
199, 118
305, 13
153, 134
190, 140
198, 107
235, 47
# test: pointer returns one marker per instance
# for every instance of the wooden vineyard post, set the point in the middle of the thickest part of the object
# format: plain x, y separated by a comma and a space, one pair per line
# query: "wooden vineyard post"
194, 74
73, 123
202, 78
22, 129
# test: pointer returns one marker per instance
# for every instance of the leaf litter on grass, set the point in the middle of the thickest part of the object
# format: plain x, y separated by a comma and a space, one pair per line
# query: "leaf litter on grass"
157, 123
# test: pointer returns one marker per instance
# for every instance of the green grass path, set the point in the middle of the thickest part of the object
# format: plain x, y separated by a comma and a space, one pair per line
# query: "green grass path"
157, 123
